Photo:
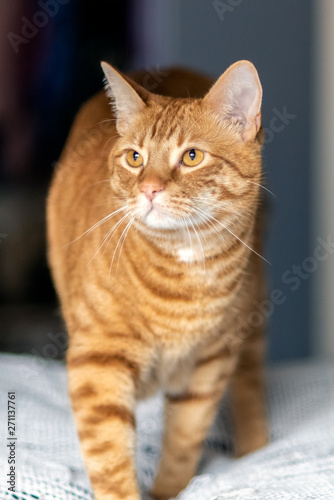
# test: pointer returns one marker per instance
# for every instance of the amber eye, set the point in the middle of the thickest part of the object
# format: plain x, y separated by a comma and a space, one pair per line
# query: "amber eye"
192, 157
134, 159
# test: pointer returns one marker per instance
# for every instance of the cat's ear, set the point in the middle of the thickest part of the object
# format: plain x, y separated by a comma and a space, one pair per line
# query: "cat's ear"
125, 100
237, 96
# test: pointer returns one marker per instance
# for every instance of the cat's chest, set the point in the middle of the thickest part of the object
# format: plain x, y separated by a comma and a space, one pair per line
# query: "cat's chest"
181, 309
186, 254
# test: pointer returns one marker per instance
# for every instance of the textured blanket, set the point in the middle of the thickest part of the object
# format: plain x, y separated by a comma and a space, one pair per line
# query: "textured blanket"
40, 456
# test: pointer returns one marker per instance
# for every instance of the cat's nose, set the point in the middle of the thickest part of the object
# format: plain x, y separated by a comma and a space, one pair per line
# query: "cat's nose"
151, 188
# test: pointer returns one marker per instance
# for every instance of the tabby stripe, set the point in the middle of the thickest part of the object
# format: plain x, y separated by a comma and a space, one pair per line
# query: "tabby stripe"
107, 411
156, 289
111, 471
167, 118
173, 122
180, 139
84, 391
233, 166
101, 448
224, 192
104, 359
119, 155
86, 434
117, 489
183, 458
157, 120
222, 354
171, 132
191, 397
128, 336
229, 194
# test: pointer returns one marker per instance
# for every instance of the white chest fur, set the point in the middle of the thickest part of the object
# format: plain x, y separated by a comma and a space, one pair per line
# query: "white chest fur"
186, 254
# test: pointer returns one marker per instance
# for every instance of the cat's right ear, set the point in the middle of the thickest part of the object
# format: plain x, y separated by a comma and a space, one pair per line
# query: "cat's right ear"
236, 97
125, 101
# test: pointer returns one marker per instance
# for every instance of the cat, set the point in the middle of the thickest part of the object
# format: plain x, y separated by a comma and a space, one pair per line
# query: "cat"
154, 234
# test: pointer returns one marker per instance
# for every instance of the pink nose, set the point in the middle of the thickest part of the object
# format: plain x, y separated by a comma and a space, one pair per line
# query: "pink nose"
151, 188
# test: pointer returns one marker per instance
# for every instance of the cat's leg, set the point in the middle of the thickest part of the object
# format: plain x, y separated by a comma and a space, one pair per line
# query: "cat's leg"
102, 385
188, 416
248, 396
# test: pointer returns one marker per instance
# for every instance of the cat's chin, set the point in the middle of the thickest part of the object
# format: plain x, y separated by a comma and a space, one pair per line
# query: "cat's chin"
156, 219
156, 216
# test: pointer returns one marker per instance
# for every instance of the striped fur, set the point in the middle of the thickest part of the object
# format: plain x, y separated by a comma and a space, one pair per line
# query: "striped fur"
154, 300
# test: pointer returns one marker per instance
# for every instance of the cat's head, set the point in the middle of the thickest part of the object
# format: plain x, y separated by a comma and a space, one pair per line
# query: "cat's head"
180, 162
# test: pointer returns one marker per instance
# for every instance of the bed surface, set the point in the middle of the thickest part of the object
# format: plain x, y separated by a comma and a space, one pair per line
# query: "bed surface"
297, 464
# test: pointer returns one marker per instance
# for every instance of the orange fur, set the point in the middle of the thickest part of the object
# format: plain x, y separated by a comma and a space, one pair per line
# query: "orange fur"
162, 297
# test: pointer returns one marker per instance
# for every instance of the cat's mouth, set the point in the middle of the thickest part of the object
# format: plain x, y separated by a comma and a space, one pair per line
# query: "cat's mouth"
157, 213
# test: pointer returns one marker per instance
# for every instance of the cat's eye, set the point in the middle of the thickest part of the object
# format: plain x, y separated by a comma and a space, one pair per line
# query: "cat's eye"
134, 159
192, 157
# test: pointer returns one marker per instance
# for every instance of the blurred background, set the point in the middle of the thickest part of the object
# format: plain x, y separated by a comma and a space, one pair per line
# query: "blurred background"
49, 64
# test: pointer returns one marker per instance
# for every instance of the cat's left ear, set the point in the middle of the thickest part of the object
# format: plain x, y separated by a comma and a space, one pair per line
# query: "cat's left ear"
237, 97
125, 100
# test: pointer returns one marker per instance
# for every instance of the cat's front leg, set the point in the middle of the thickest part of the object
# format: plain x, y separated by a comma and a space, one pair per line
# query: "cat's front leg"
102, 388
188, 416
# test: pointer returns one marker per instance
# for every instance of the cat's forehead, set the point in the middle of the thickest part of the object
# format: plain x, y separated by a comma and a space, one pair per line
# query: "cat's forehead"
171, 123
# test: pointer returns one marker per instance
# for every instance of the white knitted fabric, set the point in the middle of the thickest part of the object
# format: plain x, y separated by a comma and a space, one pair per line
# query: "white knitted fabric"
297, 464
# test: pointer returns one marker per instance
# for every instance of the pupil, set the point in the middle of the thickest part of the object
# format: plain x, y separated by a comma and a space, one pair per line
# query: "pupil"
135, 155
192, 154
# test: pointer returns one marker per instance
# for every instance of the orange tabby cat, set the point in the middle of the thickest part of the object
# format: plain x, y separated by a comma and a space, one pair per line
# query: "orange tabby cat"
154, 243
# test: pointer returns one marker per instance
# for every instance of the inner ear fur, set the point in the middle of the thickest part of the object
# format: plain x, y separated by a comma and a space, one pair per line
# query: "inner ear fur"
237, 96
127, 97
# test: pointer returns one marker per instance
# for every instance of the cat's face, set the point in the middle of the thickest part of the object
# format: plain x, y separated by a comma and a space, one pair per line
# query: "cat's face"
178, 164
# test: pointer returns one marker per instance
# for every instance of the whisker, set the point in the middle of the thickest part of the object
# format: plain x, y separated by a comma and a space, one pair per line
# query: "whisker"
264, 187
99, 182
208, 223
97, 224
199, 241
103, 121
185, 228
231, 232
110, 138
115, 227
115, 251
109, 235
107, 201
121, 248
190, 239
215, 205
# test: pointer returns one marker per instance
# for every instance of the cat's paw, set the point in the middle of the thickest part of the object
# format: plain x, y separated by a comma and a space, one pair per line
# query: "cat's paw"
162, 497
253, 443
160, 493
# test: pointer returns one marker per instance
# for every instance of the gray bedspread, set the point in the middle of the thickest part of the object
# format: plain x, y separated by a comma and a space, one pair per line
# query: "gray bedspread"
297, 464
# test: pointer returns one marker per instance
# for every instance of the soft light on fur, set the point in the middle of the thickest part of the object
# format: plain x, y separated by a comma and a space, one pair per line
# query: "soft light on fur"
158, 267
